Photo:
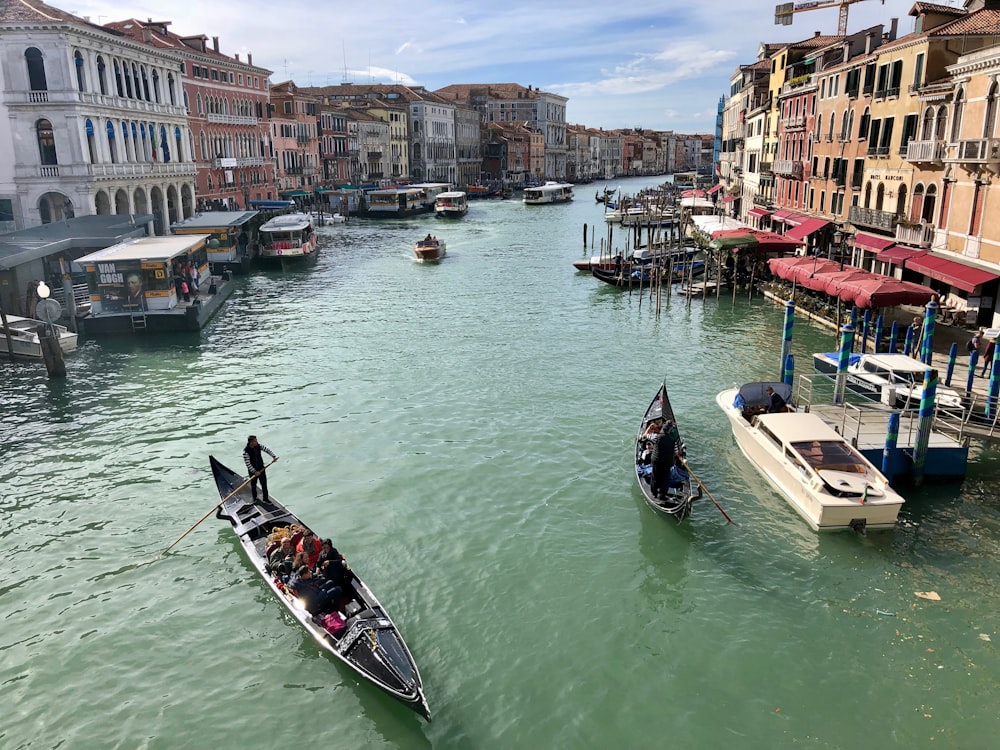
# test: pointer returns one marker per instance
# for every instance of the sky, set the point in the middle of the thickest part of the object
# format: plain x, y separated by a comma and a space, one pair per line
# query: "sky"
659, 64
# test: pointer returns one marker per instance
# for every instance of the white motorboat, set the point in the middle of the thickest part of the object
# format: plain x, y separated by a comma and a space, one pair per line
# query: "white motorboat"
822, 476
893, 379
550, 192
322, 217
24, 339
452, 204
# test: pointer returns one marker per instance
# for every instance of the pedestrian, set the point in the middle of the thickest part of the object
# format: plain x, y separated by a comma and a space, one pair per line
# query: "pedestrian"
252, 456
975, 342
991, 346
914, 327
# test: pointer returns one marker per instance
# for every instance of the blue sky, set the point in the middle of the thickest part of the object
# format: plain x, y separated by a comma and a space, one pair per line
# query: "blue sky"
658, 64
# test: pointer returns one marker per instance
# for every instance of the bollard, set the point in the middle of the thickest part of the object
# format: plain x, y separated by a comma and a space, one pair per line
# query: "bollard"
973, 361
891, 438
908, 342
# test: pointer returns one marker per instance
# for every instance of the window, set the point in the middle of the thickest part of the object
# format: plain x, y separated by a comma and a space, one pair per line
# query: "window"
956, 118
88, 129
6, 209
989, 121
918, 70
102, 77
78, 64
46, 142
865, 124
110, 129
940, 123
909, 132
288, 108
36, 69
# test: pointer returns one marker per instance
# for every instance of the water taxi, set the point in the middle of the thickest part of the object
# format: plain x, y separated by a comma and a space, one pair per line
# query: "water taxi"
452, 204
288, 236
823, 477
430, 249
550, 192
892, 379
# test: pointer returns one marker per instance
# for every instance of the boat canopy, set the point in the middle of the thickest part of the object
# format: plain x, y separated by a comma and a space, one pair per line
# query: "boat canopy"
755, 394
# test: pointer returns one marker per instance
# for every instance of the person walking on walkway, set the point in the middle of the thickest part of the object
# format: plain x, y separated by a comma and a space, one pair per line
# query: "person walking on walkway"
254, 459
991, 346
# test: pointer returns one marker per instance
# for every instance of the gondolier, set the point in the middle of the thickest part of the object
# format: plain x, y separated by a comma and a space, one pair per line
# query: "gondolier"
254, 459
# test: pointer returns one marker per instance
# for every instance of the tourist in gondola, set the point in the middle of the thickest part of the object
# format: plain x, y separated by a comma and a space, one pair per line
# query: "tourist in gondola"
254, 459
311, 547
318, 596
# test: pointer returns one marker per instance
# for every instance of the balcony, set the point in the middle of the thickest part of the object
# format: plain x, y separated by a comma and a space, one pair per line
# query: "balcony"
374, 155
788, 168
766, 167
925, 152
919, 235
794, 123
872, 218
231, 119
976, 151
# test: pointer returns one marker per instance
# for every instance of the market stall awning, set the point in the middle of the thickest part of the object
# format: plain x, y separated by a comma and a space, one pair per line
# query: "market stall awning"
715, 189
898, 254
758, 213
807, 227
872, 242
966, 278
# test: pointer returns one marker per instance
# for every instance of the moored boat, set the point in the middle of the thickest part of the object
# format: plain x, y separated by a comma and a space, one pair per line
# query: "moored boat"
452, 204
24, 340
288, 237
430, 249
550, 192
893, 379
823, 477
636, 274
362, 635
672, 495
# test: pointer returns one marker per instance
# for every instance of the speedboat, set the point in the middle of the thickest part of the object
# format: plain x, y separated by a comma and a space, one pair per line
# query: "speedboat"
430, 249
24, 337
894, 379
823, 477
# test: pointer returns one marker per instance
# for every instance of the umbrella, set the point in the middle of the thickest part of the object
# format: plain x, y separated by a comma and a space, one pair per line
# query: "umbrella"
836, 283
733, 243
885, 291
803, 271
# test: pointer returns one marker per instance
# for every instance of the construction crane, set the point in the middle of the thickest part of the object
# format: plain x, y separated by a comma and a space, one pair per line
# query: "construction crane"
783, 13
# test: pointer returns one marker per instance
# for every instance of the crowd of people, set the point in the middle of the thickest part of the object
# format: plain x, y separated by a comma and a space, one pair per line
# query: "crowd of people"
309, 568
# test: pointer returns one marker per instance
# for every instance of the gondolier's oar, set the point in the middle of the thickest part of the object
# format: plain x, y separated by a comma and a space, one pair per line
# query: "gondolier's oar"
214, 508
702, 485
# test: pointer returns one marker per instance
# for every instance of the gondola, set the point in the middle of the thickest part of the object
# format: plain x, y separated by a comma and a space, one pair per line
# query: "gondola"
630, 278
674, 501
366, 640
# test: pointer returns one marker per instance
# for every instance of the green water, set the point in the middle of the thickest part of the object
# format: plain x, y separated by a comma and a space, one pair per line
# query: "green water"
464, 433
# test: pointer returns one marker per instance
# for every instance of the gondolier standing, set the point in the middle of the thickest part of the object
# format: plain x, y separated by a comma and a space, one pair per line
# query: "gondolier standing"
252, 456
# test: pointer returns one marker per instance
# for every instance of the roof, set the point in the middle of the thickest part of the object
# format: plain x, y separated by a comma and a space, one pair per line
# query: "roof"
984, 21
28, 11
897, 362
81, 234
147, 249
919, 8
156, 34
215, 220
794, 427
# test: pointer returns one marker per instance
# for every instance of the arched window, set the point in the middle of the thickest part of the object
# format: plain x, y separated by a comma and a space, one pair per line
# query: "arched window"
866, 118
204, 146
36, 69
139, 155
833, 122
845, 125
930, 203
940, 123
956, 116
187, 103
81, 81
46, 143
102, 76
124, 141
136, 81
145, 83
170, 90
110, 129
901, 201
198, 101
868, 195
989, 121
156, 86
927, 128
819, 126
164, 144
118, 79
88, 129
880, 196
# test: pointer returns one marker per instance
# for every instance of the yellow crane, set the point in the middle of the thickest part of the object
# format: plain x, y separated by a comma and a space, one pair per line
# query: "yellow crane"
783, 12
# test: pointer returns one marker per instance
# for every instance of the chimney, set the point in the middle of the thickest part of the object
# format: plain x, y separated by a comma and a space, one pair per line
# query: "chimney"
147, 34
249, 59
237, 56
868, 43
215, 43
816, 33
893, 25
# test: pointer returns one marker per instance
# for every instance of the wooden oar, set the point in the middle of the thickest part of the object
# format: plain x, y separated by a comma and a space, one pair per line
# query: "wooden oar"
705, 489
215, 507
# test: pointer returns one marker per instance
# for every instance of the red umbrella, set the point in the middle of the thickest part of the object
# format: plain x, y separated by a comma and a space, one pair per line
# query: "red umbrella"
803, 271
783, 268
741, 232
885, 291
835, 282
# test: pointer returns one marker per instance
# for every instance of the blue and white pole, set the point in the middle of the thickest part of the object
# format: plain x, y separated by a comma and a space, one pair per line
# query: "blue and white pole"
877, 340
952, 357
789, 374
891, 438
846, 344
786, 340
893, 337
908, 343
924, 425
927, 344
991, 402
973, 361
866, 323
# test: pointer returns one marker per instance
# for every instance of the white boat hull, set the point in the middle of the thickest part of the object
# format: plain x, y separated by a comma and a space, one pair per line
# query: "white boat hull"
25, 340
821, 510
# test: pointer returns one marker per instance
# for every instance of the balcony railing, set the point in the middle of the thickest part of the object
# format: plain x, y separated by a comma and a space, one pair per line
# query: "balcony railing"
374, 155
925, 151
873, 218
231, 119
977, 151
921, 235
791, 123
766, 167
788, 168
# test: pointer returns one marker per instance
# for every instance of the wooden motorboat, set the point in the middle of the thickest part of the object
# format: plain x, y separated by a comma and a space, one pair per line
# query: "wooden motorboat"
367, 640
822, 476
430, 249
673, 499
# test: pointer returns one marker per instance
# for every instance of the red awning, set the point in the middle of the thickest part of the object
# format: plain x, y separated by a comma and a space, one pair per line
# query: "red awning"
715, 189
807, 227
758, 213
966, 278
728, 199
872, 242
897, 254
779, 215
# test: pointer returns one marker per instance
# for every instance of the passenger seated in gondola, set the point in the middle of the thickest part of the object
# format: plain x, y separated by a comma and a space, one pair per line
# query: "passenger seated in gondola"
317, 596
679, 474
311, 546
281, 557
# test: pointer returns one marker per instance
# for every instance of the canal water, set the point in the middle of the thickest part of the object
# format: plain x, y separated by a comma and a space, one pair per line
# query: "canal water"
464, 433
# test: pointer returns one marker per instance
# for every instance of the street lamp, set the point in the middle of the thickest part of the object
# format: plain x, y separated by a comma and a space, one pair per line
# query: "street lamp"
839, 240
42, 290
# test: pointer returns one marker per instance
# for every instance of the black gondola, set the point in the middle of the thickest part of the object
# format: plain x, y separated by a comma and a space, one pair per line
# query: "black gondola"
632, 277
672, 499
366, 640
